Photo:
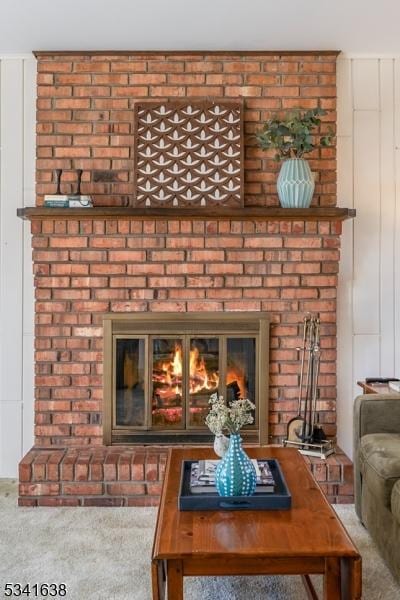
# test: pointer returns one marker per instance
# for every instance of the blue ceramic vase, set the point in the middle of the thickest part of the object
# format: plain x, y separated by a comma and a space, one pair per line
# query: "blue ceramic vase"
295, 183
235, 474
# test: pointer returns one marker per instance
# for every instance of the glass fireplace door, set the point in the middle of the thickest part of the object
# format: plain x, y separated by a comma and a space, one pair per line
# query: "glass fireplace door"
165, 383
130, 381
162, 383
241, 370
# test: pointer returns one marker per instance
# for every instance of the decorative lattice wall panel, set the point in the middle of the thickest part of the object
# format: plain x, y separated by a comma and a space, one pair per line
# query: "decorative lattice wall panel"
188, 153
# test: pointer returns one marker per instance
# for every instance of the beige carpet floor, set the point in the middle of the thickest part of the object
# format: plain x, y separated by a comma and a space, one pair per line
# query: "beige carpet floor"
104, 554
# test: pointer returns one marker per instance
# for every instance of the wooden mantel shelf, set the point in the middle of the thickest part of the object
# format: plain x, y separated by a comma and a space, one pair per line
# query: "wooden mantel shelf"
268, 214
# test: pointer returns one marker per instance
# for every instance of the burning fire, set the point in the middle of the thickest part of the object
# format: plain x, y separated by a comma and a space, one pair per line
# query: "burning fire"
169, 374
200, 380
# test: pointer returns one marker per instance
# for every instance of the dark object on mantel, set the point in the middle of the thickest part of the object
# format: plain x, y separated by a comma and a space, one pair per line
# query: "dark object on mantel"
58, 173
79, 182
246, 213
380, 379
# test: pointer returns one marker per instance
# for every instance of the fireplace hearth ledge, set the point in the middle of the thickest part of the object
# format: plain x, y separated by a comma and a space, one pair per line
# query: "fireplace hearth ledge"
133, 476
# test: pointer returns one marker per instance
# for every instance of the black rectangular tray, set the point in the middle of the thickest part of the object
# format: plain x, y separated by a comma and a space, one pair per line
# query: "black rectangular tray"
281, 499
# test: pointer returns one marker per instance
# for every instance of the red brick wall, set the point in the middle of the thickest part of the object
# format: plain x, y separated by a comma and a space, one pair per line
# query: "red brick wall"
86, 268
85, 108
92, 266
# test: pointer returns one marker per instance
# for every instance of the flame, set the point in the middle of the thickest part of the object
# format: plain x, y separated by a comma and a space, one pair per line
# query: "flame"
201, 380
170, 375
177, 362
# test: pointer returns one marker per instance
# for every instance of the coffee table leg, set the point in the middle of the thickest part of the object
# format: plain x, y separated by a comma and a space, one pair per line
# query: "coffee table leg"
332, 588
309, 588
351, 578
174, 580
158, 579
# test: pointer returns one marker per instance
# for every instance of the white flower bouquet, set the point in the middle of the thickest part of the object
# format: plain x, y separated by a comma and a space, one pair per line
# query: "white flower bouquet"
229, 418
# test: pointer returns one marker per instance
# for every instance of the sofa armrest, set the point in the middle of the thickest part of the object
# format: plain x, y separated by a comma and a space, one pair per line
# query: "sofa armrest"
373, 413
376, 413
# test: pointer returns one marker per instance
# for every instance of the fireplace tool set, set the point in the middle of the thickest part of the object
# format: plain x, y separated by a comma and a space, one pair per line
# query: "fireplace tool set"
303, 431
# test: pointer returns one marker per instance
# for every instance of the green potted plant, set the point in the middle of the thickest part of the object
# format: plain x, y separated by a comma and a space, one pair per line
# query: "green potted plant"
292, 138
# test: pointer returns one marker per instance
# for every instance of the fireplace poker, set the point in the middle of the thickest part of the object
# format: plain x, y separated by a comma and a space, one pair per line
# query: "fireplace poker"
303, 350
306, 431
316, 364
295, 425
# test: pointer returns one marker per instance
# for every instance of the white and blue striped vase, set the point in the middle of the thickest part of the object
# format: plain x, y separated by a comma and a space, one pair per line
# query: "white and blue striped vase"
295, 183
235, 474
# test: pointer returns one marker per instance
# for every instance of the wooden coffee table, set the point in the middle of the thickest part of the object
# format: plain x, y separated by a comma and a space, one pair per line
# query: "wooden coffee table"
309, 538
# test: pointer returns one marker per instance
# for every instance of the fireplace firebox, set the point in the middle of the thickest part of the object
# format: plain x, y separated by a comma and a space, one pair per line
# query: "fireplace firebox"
160, 370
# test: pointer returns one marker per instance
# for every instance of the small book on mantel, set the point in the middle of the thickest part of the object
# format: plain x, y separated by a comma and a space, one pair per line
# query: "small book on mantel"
65, 201
202, 477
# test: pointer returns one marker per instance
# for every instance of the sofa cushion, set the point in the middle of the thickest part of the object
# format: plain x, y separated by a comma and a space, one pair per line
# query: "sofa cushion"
395, 504
380, 464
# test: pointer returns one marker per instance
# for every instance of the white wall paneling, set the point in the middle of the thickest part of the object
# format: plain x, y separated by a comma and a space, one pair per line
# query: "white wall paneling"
344, 98
366, 225
10, 436
387, 214
396, 77
365, 82
345, 292
11, 229
28, 290
366, 351
369, 180
397, 266
28, 416
17, 181
397, 214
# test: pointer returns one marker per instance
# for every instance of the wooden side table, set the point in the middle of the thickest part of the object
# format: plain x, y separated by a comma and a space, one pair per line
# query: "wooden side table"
375, 388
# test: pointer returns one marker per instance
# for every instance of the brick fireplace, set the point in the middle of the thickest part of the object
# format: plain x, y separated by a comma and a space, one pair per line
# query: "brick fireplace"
89, 263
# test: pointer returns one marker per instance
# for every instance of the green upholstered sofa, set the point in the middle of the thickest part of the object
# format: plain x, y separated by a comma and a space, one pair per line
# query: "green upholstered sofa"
377, 471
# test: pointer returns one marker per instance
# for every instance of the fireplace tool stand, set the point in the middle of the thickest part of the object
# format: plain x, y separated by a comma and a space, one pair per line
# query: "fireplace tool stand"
303, 431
